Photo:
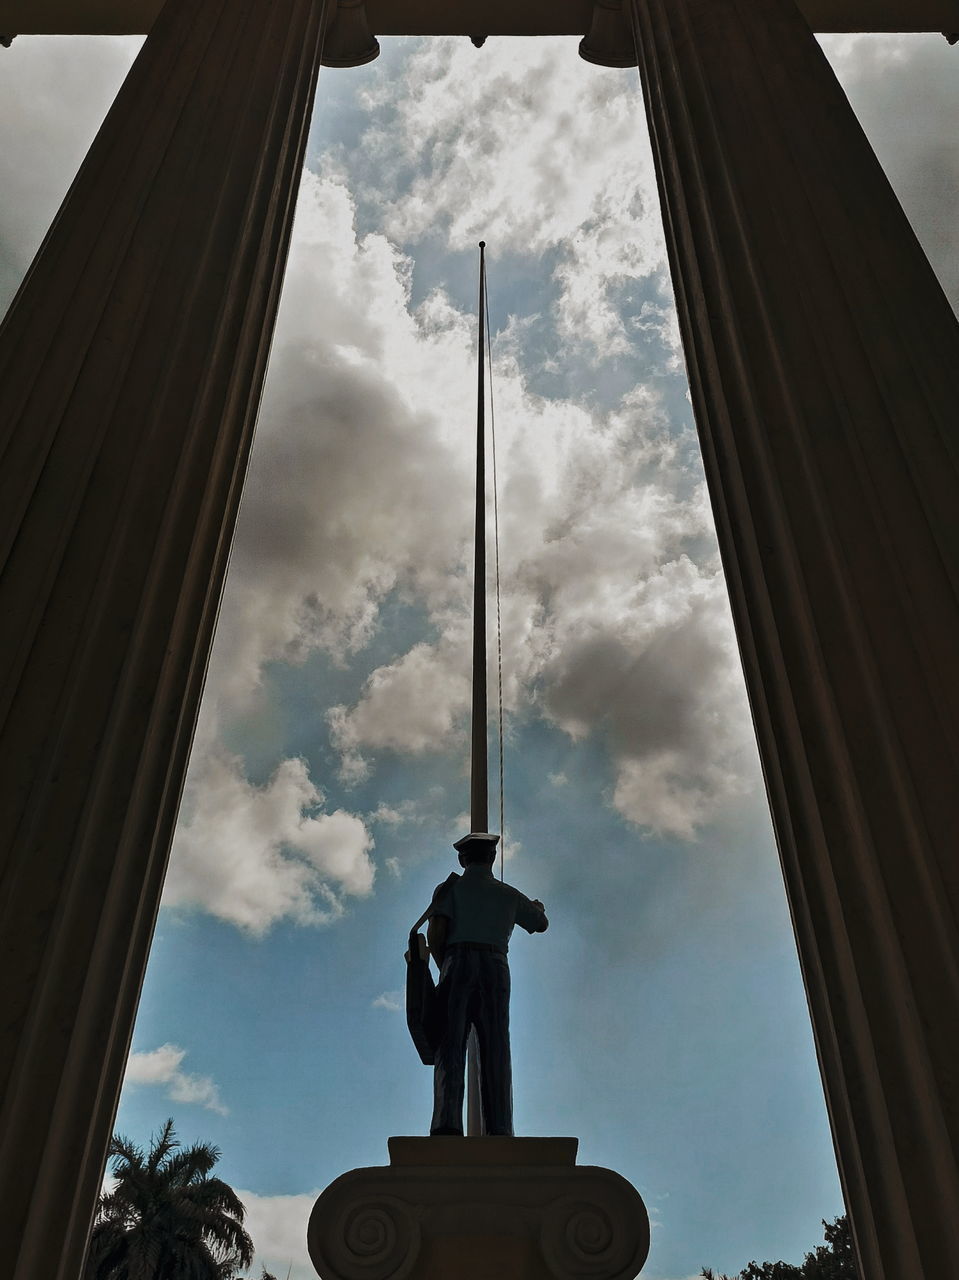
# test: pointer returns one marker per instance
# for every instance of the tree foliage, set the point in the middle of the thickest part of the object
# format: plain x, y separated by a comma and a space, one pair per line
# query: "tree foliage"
834, 1260
165, 1217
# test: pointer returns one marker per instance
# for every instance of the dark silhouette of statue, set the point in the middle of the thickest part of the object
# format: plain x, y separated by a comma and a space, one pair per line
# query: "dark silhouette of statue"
472, 918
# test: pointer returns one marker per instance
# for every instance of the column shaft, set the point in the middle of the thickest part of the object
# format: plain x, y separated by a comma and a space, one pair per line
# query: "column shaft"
131, 363
823, 360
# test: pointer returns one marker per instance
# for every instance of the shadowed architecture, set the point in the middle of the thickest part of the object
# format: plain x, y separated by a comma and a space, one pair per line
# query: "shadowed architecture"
823, 362
495, 17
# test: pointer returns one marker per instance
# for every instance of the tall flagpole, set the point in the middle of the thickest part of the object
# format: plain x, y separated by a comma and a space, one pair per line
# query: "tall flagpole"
479, 761
479, 768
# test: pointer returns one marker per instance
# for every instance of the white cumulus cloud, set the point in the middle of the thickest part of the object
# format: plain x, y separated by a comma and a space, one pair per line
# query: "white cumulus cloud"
411, 705
362, 460
256, 854
277, 1226
615, 616
516, 146
162, 1066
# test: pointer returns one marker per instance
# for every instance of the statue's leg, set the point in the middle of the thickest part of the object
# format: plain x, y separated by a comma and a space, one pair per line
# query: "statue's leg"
449, 1071
492, 1032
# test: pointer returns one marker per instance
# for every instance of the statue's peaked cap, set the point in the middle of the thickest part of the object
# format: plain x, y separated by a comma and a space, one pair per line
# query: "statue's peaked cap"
475, 837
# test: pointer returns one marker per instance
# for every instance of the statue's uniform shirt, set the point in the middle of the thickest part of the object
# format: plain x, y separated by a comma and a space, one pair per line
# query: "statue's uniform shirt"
481, 908
474, 988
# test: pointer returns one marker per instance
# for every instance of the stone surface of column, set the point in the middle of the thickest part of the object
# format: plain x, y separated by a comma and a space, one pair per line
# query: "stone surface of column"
496, 17
472, 1208
824, 364
131, 363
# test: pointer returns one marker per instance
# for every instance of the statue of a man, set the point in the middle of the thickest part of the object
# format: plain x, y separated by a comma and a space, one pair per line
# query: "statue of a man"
469, 930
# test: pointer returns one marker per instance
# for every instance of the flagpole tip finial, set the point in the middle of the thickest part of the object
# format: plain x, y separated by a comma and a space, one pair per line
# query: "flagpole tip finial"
482, 244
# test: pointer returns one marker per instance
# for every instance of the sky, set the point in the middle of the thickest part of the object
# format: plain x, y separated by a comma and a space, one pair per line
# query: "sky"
662, 1018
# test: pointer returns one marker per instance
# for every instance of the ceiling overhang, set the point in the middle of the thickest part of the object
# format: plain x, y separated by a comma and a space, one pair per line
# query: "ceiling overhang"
468, 17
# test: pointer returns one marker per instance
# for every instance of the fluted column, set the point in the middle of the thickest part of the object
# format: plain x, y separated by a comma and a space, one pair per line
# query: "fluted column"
131, 364
823, 359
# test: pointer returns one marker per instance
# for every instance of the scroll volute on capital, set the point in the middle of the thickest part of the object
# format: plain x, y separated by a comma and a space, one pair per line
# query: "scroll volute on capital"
348, 41
610, 40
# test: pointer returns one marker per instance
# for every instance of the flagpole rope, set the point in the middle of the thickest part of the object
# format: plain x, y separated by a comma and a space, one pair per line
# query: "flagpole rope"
499, 613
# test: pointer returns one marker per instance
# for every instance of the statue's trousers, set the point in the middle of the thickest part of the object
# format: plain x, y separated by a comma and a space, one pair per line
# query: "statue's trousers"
474, 984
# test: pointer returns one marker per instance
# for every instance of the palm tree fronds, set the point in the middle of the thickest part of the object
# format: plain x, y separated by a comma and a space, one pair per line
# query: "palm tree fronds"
165, 1217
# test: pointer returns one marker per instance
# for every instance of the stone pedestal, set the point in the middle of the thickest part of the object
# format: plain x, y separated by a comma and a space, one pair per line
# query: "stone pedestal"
823, 361
479, 1208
